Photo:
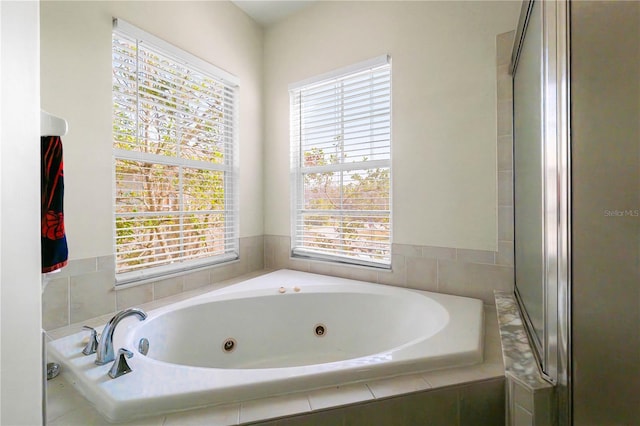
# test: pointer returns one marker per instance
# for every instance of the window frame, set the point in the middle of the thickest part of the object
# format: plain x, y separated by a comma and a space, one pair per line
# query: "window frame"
298, 170
228, 167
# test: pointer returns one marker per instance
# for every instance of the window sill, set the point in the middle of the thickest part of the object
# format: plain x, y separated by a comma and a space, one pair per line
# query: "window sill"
178, 273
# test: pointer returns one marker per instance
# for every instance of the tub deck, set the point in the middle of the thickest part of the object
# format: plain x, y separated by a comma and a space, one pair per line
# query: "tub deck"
67, 407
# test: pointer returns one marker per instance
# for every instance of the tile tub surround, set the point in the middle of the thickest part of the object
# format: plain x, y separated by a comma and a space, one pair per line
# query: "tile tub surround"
529, 396
85, 288
461, 272
473, 392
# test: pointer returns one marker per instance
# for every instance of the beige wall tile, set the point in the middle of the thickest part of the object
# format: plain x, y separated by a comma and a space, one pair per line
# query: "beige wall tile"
195, 280
406, 250
134, 296
278, 406
505, 188
474, 279
106, 263
433, 252
431, 408
91, 322
168, 287
398, 385
360, 273
457, 376
298, 264
476, 256
237, 268
223, 415
504, 46
505, 86
385, 412
544, 403
422, 273
505, 253
505, 118
522, 396
397, 275
354, 272
282, 252
55, 304
91, 295
505, 153
240, 267
335, 270
320, 268
78, 267
256, 257
84, 415
222, 272
341, 395
505, 223
483, 404
522, 417
252, 252
270, 244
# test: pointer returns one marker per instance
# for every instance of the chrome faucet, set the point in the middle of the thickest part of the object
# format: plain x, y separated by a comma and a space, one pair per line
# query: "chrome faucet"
105, 354
120, 366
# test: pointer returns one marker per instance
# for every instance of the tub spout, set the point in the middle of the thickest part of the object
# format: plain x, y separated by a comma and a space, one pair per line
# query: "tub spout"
105, 354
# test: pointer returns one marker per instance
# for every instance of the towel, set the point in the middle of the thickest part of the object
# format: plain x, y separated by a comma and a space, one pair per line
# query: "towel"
54, 241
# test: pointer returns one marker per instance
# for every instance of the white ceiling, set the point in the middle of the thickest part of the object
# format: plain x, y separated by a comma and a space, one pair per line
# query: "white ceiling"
267, 12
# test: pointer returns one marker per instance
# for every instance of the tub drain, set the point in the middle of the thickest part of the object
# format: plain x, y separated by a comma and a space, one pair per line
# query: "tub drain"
229, 345
320, 330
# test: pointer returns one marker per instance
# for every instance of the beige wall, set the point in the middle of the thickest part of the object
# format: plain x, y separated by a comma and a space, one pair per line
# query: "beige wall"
76, 85
444, 108
605, 98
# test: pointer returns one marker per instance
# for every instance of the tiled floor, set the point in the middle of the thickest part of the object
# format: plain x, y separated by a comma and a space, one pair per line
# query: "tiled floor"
67, 407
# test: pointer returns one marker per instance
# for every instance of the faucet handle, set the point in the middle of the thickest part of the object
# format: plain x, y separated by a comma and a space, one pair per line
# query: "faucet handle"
120, 365
92, 344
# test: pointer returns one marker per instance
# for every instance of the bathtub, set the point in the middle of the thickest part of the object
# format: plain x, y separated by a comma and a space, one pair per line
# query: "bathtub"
280, 333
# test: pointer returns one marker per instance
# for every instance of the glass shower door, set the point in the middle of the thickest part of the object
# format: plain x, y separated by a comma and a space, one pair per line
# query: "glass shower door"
528, 176
541, 162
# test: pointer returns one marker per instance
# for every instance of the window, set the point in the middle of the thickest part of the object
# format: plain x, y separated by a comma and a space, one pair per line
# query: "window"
174, 142
341, 165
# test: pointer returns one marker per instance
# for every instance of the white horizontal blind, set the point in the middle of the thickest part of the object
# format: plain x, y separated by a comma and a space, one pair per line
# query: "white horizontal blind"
341, 166
174, 140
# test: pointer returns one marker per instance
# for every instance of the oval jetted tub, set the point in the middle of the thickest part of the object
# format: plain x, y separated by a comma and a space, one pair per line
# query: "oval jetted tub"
280, 333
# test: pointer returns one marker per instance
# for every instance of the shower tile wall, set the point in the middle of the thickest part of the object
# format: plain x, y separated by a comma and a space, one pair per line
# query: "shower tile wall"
85, 288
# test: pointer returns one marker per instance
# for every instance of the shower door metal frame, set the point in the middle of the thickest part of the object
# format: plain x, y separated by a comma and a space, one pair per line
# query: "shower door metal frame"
553, 349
